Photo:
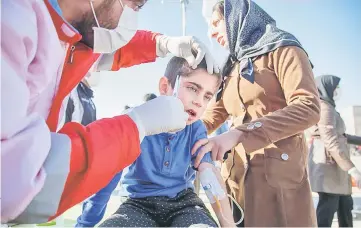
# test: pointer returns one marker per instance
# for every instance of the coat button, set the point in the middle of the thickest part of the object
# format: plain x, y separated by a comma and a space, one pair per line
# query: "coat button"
250, 127
258, 124
242, 107
166, 163
284, 156
167, 149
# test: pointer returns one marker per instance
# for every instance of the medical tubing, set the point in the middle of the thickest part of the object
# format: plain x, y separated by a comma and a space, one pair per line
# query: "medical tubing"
239, 207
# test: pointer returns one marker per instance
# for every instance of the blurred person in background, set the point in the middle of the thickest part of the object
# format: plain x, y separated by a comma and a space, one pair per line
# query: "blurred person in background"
330, 167
149, 96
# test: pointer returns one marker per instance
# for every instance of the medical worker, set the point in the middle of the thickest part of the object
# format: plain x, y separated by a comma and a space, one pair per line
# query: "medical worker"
47, 47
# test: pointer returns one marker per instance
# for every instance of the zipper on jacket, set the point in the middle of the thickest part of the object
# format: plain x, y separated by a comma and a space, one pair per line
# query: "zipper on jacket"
72, 48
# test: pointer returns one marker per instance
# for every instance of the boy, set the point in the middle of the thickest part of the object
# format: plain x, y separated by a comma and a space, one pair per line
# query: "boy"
159, 182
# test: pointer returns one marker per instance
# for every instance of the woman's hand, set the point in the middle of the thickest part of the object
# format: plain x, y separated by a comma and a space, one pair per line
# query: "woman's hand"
217, 145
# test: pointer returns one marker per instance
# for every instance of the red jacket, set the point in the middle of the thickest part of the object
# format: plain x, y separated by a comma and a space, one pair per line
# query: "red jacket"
105, 147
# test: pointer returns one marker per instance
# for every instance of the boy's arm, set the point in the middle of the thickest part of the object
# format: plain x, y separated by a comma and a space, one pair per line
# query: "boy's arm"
224, 214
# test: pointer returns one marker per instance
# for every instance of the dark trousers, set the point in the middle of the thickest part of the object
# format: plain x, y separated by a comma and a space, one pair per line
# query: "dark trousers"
328, 204
184, 210
94, 207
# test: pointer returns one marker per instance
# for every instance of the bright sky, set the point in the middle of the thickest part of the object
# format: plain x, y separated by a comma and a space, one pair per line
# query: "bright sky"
330, 31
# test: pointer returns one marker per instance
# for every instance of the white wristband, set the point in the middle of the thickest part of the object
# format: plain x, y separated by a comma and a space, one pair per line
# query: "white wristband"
134, 116
161, 45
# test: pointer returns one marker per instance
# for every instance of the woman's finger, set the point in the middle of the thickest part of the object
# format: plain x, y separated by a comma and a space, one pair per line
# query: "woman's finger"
214, 153
205, 149
220, 154
198, 144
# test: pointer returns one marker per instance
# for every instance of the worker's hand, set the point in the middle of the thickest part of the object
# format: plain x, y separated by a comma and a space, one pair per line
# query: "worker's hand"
356, 175
182, 47
162, 114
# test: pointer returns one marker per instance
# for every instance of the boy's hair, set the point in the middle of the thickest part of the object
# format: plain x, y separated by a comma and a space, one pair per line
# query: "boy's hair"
179, 66
149, 96
219, 7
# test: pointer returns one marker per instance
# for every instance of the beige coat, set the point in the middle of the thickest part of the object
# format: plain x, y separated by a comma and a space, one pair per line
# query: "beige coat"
329, 157
266, 173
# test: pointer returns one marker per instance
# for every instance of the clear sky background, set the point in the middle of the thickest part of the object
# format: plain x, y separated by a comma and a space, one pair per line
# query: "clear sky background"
329, 30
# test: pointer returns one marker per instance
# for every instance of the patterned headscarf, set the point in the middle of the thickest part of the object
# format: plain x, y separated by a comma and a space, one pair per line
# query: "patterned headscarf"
251, 32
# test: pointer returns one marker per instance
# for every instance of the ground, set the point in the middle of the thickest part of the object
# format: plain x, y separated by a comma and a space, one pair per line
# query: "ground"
69, 217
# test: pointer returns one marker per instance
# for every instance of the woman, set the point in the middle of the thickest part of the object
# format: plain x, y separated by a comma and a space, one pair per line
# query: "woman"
330, 166
269, 91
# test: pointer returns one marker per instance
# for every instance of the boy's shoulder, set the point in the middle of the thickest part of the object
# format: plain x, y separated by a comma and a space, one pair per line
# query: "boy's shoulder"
198, 124
198, 127
194, 129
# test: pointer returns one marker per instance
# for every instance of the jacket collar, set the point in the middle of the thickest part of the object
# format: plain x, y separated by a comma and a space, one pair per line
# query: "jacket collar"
66, 32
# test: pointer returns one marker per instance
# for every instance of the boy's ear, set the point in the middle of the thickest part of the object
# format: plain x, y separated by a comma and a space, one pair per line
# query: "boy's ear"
164, 86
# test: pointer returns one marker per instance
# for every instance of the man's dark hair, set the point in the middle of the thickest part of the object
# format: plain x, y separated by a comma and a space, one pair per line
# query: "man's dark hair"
179, 66
149, 96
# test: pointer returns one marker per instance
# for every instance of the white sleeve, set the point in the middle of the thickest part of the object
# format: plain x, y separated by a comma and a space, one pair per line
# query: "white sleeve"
25, 137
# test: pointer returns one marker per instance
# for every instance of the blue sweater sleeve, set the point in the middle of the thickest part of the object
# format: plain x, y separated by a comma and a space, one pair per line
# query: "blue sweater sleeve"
199, 132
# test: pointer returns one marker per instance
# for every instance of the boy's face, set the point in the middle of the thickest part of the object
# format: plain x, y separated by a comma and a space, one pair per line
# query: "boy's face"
195, 91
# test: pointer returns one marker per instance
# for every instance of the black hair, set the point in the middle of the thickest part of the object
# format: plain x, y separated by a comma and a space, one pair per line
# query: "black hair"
149, 96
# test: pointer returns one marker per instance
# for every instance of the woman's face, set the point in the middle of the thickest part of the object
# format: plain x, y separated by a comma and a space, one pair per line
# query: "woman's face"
337, 93
218, 28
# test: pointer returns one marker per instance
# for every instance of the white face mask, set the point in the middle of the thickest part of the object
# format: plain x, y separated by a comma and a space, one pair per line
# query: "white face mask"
110, 40
336, 94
